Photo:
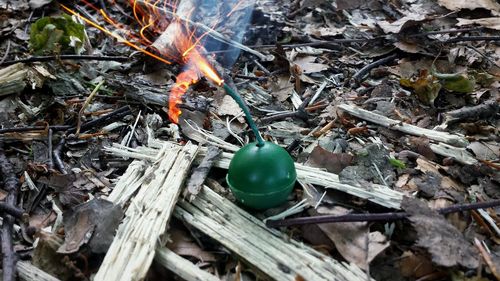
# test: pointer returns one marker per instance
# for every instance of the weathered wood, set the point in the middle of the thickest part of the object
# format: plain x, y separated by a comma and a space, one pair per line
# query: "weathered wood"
451, 139
12, 79
182, 267
375, 193
29, 272
146, 219
267, 250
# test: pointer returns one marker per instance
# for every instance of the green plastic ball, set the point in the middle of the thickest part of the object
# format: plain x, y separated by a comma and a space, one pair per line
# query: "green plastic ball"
261, 177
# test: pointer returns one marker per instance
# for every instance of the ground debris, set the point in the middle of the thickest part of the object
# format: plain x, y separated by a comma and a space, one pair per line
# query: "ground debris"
445, 242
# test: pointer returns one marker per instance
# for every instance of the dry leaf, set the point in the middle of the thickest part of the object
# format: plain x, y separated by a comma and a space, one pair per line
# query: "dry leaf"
493, 23
456, 5
444, 242
332, 162
415, 265
307, 65
400, 24
351, 239
183, 245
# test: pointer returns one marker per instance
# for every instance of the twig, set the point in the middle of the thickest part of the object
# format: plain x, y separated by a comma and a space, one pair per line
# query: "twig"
300, 113
12, 210
473, 38
57, 155
358, 77
66, 57
200, 173
11, 182
85, 104
451, 139
49, 144
55, 128
117, 114
6, 53
487, 258
377, 216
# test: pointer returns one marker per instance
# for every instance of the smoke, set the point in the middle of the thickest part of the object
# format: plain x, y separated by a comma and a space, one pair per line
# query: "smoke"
231, 18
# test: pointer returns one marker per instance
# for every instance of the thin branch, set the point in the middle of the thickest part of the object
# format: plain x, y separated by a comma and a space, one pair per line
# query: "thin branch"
88, 100
12, 210
473, 38
56, 154
65, 57
392, 216
358, 77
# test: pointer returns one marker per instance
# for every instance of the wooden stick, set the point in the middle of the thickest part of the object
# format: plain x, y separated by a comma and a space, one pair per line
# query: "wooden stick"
269, 251
378, 194
181, 266
133, 248
454, 140
29, 272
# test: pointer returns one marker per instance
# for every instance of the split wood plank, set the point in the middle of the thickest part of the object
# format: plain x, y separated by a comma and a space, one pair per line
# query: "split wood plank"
29, 272
378, 194
455, 140
266, 249
182, 267
133, 248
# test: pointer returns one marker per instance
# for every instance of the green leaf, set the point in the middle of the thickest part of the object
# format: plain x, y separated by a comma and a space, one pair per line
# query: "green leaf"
397, 163
54, 34
456, 82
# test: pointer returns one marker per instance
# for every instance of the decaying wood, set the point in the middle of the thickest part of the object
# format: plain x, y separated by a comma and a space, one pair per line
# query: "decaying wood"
460, 154
29, 272
267, 250
12, 79
448, 138
182, 267
375, 193
478, 112
200, 173
132, 250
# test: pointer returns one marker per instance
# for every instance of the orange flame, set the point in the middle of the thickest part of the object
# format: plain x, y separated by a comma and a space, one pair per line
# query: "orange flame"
152, 20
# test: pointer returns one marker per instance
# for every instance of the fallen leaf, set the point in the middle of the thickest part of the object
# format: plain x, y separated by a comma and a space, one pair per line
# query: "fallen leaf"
442, 240
426, 86
332, 162
456, 82
183, 245
351, 239
93, 222
456, 5
484, 150
415, 265
307, 65
492, 23
400, 24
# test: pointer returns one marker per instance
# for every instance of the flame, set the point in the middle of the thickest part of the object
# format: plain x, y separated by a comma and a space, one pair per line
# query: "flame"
152, 18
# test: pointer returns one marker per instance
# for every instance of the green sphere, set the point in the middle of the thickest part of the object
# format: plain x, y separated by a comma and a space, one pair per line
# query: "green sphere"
261, 177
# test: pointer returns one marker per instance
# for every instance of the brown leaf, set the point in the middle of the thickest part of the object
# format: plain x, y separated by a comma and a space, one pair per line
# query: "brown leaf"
456, 5
183, 245
96, 220
332, 162
442, 240
415, 265
351, 239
